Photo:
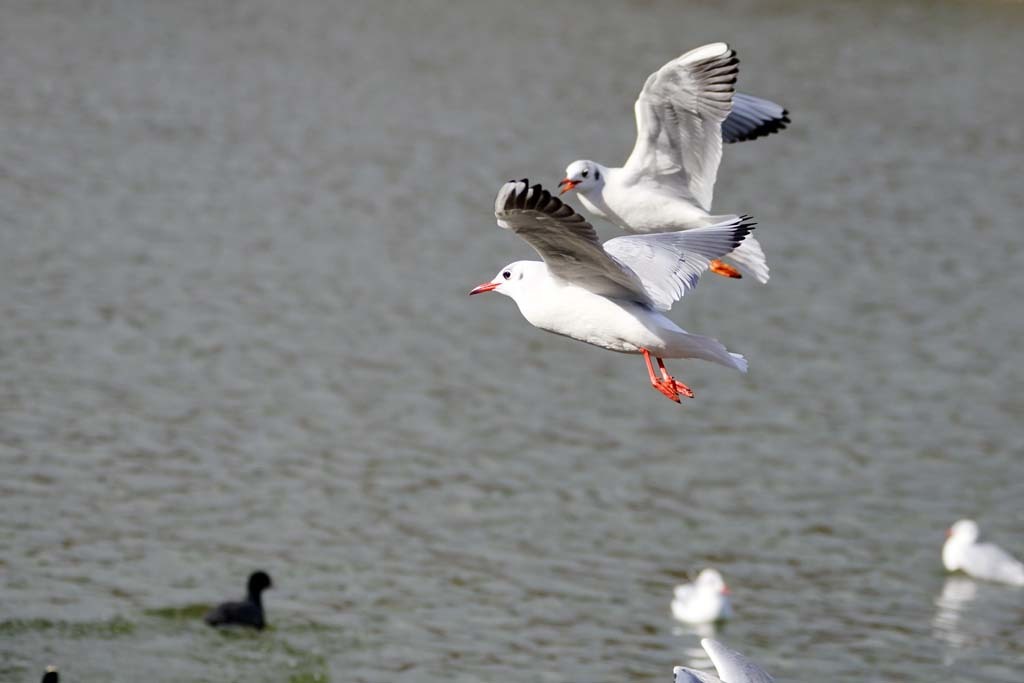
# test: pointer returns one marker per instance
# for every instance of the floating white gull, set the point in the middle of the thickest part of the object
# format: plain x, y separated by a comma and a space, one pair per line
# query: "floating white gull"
610, 295
686, 109
704, 601
732, 667
988, 561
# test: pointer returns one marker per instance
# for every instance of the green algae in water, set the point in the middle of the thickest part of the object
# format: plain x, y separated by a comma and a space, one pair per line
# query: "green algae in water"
309, 677
111, 628
179, 612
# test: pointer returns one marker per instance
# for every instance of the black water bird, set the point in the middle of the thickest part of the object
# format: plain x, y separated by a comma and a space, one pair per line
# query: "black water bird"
51, 675
248, 612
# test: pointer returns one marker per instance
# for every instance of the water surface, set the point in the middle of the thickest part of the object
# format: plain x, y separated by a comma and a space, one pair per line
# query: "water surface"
236, 244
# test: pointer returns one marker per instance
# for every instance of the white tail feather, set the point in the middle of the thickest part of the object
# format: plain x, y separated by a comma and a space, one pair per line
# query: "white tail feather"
750, 258
739, 362
686, 345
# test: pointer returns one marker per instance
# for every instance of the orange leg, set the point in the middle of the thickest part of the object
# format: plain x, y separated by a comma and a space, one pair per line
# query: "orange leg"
668, 389
673, 382
722, 268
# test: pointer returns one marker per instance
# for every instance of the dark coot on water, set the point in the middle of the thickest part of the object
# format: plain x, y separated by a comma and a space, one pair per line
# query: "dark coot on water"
248, 612
51, 675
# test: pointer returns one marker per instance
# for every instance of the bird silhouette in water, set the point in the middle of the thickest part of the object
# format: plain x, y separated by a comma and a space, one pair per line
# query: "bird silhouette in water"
248, 612
51, 675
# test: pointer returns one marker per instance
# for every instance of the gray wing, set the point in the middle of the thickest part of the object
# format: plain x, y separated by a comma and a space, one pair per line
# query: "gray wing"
989, 561
669, 264
565, 240
732, 667
683, 592
679, 116
752, 118
682, 674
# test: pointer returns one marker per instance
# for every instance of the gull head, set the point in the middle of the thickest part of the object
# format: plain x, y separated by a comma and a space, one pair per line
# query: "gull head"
513, 279
959, 538
582, 175
965, 530
711, 581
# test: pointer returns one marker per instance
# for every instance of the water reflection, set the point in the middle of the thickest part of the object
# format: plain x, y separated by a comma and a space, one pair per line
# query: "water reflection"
699, 630
951, 623
690, 636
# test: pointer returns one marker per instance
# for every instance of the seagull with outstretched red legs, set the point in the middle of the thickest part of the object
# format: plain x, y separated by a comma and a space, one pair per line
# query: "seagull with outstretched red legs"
611, 295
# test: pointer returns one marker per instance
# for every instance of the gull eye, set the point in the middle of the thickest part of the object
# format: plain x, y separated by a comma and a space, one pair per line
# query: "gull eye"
507, 274
597, 175
585, 173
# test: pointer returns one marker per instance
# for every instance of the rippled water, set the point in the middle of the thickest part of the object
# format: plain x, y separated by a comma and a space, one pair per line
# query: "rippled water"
236, 244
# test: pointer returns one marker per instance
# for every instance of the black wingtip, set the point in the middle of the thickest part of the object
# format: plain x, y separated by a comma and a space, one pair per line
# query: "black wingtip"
769, 127
745, 226
519, 194
506, 197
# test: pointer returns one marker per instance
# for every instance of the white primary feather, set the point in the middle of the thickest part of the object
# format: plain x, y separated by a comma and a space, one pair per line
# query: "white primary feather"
679, 116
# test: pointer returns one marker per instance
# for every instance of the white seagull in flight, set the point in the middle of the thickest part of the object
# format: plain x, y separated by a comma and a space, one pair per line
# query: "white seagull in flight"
684, 113
610, 295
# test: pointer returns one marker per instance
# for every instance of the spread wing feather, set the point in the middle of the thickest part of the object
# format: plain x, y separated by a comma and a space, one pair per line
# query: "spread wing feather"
669, 264
679, 116
752, 118
655, 269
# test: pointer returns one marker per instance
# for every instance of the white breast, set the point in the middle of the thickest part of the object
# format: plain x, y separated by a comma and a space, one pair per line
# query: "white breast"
578, 313
701, 607
644, 207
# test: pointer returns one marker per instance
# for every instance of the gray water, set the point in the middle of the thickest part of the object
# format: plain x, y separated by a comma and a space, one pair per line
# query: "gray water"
236, 244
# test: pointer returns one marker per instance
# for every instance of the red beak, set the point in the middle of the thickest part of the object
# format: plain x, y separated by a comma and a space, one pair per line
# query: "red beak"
726, 591
568, 185
485, 287
949, 532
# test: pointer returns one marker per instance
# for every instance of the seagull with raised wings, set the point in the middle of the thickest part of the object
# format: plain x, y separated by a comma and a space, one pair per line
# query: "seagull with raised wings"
612, 295
684, 113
